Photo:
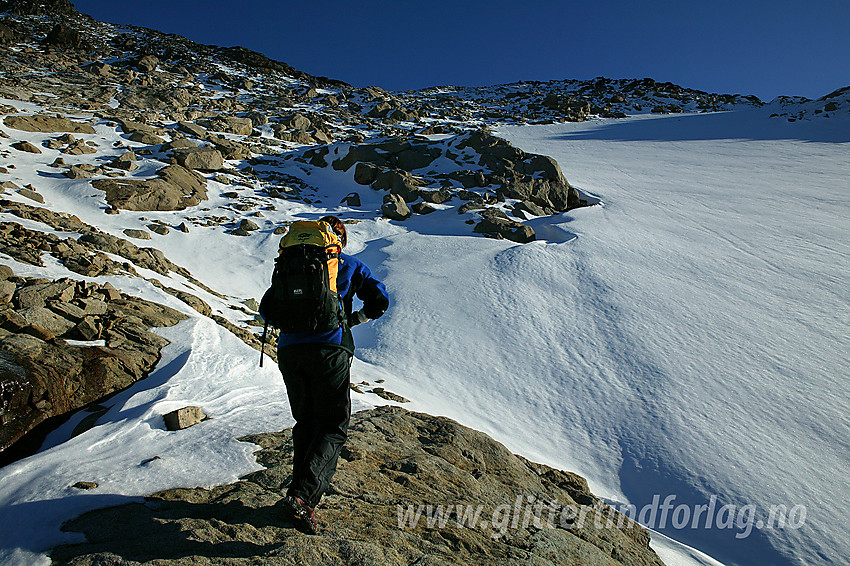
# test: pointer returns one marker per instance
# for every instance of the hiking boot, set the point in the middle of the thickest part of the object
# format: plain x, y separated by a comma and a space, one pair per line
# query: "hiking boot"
302, 515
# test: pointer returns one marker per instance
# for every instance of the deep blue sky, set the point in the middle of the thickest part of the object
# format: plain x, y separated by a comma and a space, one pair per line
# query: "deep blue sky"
760, 47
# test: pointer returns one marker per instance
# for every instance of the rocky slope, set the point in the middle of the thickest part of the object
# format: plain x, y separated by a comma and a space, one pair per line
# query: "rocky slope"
395, 462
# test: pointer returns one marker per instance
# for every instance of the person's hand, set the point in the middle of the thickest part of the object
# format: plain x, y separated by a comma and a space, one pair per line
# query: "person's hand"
355, 318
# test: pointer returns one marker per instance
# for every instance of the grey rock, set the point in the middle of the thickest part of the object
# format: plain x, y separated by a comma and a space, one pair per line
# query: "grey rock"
398, 182
178, 143
46, 319
146, 138
126, 161
529, 207
228, 124
192, 129
175, 188
436, 197
160, 229
88, 328
37, 295
138, 234
147, 63
352, 199
80, 172
245, 228
231, 149
79, 147
67, 310
296, 121
183, 418
92, 306
32, 195
505, 228
7, 289
422, 208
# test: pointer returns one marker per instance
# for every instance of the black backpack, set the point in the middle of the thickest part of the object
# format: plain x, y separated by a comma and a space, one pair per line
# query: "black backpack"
303, 296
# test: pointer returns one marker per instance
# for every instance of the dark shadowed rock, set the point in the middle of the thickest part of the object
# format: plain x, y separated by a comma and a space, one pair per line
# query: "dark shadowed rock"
64, 37
436, 197
26, 146
365, 173
394, 461
398, 182
505, 228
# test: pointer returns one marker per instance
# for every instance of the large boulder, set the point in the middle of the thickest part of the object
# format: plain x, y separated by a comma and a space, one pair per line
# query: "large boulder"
410, 488
296, 121
398, 182
192, 129
395, 208
47, 124
231, 149
229, 125
201, 158
175, 188
498, 226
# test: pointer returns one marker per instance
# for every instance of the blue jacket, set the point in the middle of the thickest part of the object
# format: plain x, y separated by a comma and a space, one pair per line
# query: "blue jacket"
354, 278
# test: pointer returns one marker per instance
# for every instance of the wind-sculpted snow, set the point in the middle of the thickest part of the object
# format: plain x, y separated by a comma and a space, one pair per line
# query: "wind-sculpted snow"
716, 273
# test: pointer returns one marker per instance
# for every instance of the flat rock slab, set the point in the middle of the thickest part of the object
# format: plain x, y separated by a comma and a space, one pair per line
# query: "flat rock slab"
47, 124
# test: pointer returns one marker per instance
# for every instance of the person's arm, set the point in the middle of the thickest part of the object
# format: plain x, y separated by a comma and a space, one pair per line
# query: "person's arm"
373, 293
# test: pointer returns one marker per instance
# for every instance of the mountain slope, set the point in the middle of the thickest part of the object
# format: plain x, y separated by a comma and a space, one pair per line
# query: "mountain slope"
685, 337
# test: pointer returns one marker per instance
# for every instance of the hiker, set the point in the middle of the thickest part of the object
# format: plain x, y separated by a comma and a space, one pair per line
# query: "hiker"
316, 368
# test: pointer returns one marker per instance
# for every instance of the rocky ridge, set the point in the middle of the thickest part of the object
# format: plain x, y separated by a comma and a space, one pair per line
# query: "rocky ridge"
396, 463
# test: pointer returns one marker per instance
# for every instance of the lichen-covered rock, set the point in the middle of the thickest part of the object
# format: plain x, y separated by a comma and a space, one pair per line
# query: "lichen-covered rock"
395, 464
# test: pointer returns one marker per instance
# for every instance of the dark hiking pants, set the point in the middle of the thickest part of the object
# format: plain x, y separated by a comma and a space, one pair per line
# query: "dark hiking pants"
317, 383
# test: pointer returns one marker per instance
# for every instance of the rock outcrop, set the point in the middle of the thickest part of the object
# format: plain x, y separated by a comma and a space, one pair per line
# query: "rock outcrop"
43, 375
394, 501
175, 188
